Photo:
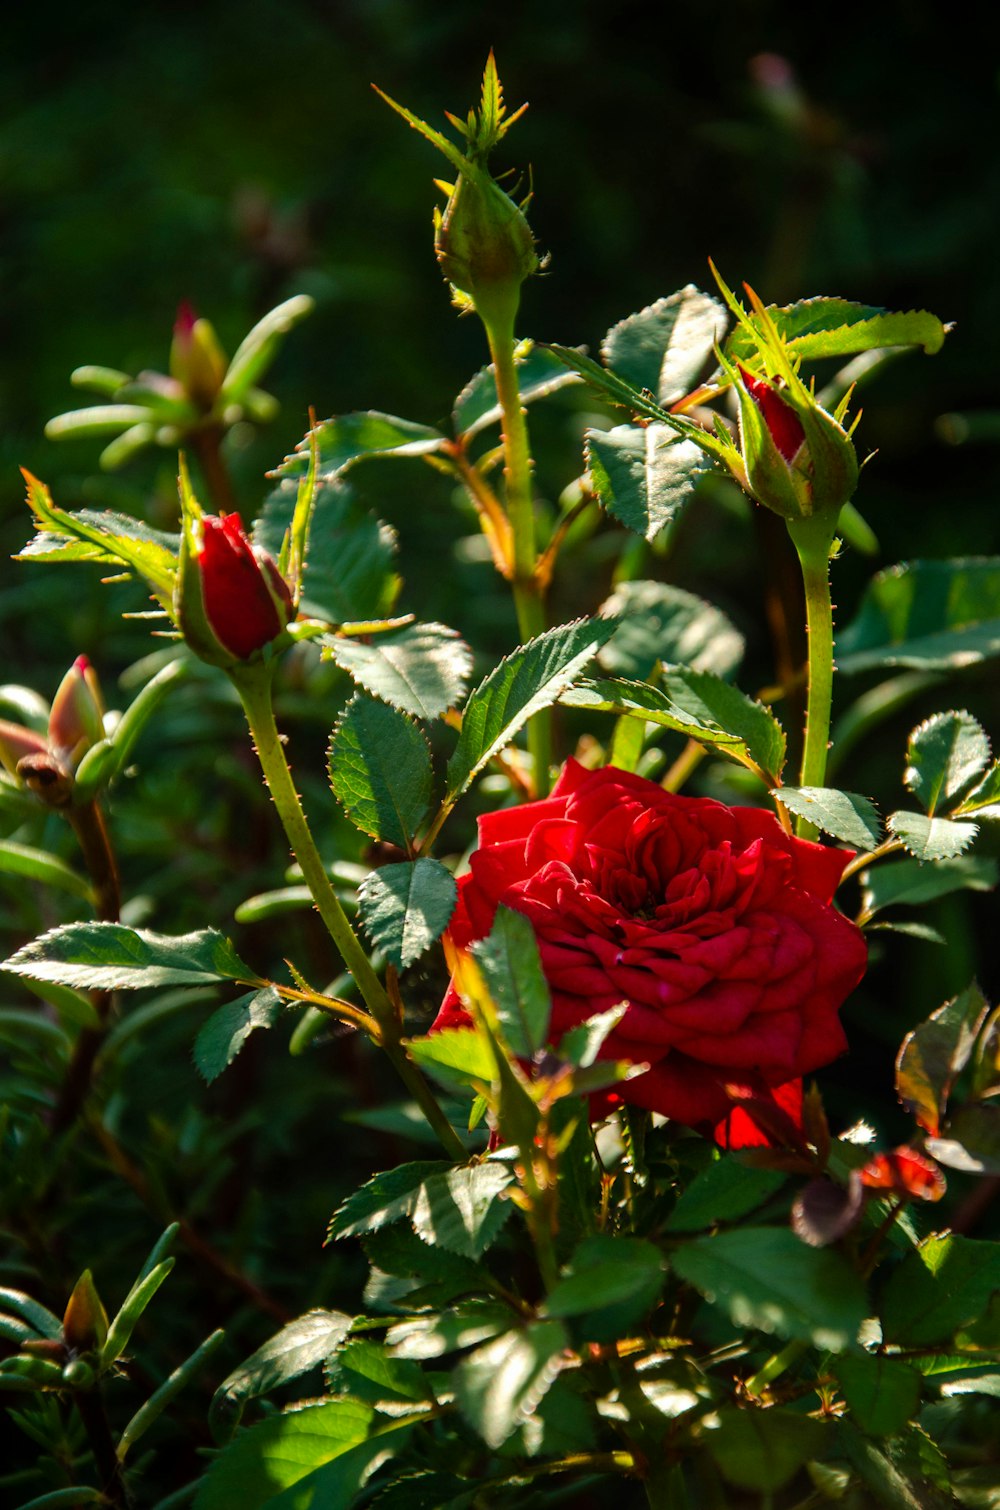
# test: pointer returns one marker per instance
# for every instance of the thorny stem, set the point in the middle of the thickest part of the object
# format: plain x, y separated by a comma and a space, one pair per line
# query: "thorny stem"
253, 683
528, 596
812, 539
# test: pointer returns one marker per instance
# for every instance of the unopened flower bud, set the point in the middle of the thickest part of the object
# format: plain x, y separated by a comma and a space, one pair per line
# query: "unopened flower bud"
85, 1323
197, 360
233, 600
484, 243
797, 459
76, 721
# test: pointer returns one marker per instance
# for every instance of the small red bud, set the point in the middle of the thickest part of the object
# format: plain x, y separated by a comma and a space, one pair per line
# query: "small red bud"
76, 721
781, 420
247, 601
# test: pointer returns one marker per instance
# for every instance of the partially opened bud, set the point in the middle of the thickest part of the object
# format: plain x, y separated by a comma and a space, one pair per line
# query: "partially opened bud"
797, 459
233, 600
76, 721
197, 360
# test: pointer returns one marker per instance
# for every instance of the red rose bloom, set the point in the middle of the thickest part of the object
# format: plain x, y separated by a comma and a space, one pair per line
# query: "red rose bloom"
711, 922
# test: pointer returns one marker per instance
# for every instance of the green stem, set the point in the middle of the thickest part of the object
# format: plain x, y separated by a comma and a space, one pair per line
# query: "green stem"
528, 592
812, 539
253, 683
775, 1366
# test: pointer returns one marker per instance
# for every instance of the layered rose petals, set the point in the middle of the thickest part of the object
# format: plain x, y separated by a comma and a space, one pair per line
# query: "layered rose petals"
711, 922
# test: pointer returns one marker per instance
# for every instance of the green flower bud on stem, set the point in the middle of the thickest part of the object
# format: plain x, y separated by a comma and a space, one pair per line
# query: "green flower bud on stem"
482, 238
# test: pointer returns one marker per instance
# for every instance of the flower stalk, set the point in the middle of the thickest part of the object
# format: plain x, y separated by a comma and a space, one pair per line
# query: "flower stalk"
253, 683
526, 583
813, 539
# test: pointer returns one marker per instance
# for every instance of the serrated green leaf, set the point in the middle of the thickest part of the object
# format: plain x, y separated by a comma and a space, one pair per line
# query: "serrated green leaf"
945, 756
39, 865
298, 1347
911, 883
422, 669
348, 573
666, 625
426, 1276
347, 439
433, 1336
900, 1472
380, 770
764, 1277
366, 1371
931, 615
946, 1283
725, 1191
86, 535
985, 796
713, 701
971, 1141
933, 1055
503, 1382
112, 957
883, 1393
406, 908
511, 967
582, 1044
844, 815
539, 373
763, 1449
822, 327
462, 1209
281, 1451
460, 1058
643, 475
529, 679
931, 838
386, 1198
220, 1039
701, 706
614, 390
665, 347
623, 1273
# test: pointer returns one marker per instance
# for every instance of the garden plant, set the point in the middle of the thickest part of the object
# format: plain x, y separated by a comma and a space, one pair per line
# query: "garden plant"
555, 958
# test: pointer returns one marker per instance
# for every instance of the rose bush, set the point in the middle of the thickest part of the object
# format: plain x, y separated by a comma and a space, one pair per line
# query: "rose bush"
713, 924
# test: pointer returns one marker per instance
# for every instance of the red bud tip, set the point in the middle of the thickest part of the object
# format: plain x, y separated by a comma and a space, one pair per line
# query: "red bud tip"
247, 602
781, 420
185, 320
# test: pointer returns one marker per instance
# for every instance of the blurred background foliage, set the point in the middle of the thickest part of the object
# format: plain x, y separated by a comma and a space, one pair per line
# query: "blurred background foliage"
233, 154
